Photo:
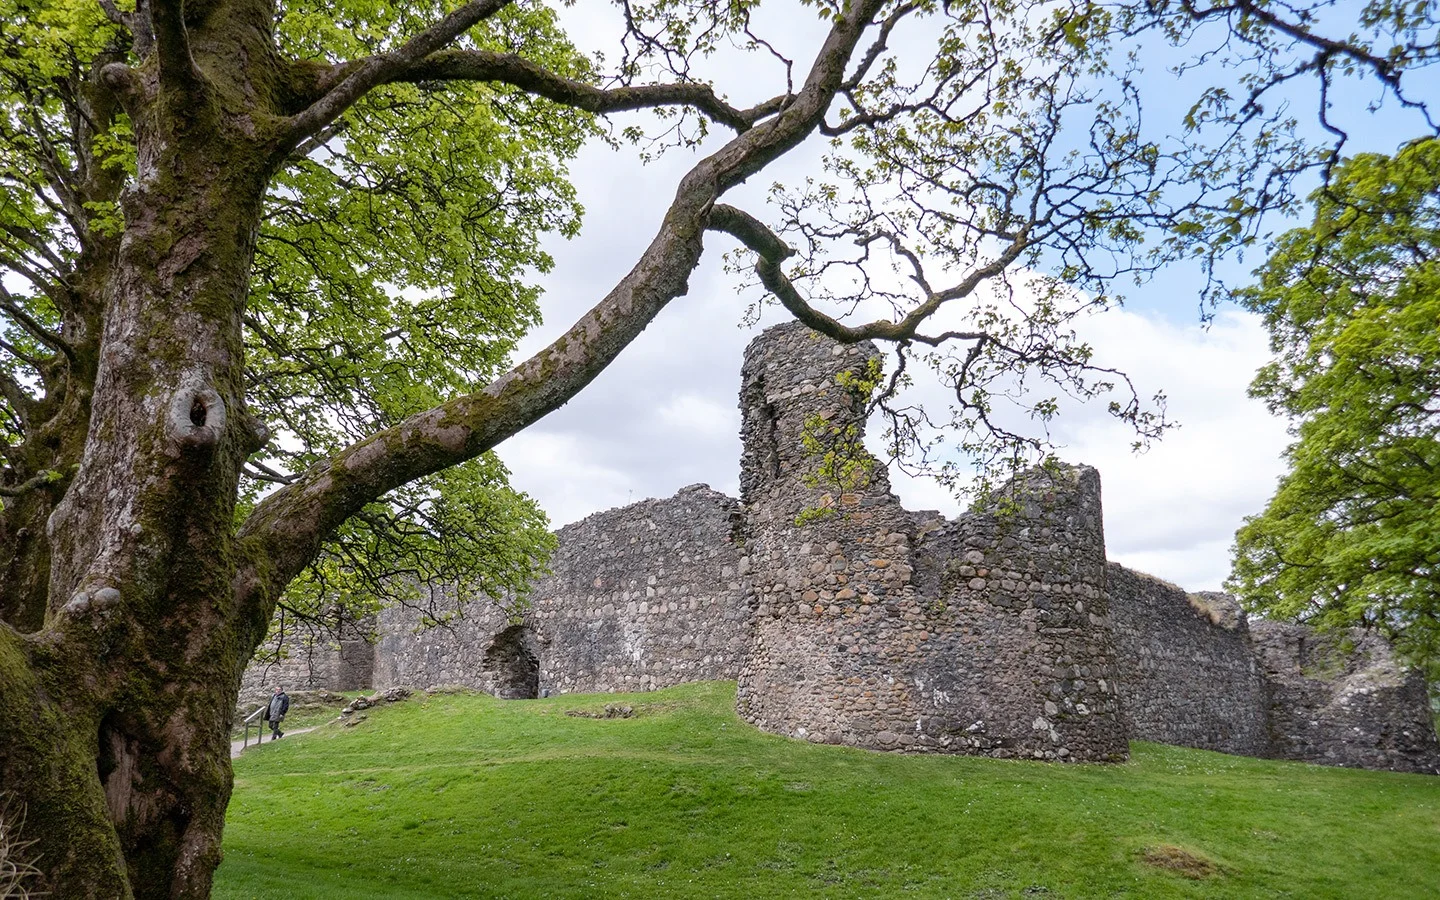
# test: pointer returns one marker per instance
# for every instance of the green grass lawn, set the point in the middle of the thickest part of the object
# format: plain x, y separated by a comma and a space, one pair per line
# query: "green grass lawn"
467, 796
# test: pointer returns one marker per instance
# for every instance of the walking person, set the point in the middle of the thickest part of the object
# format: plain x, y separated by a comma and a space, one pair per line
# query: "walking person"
279, 705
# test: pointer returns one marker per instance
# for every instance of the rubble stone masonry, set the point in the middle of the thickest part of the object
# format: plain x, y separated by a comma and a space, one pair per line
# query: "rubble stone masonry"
984, 635
846, 619
1186, 669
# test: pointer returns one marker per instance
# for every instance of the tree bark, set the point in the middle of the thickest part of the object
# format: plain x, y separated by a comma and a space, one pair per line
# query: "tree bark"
116, 714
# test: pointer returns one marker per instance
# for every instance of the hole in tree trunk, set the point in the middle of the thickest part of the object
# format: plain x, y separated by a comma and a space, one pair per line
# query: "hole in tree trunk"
511, 667
118, 766
197, 413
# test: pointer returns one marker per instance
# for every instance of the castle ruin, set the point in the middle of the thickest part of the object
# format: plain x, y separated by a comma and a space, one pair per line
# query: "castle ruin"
847, 619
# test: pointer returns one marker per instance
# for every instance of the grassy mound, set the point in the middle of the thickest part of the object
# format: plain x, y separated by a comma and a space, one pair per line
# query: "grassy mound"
459, 796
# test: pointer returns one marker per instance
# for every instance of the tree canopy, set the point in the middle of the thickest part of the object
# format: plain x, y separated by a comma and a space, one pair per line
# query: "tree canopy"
1352, 534
265, 264
394, 265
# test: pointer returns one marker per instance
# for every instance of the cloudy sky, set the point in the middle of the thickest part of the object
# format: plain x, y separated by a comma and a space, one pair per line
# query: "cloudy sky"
665, 414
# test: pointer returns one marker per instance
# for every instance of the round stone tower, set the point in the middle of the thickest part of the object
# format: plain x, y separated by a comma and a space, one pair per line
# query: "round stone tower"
881, 629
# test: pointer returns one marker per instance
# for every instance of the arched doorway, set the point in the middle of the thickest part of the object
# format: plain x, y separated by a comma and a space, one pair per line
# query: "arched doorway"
511, 667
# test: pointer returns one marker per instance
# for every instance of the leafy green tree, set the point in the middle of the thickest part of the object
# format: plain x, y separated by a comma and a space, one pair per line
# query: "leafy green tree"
1352, 302
265, 263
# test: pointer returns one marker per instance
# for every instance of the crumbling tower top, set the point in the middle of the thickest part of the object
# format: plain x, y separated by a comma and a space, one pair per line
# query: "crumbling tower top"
793, 380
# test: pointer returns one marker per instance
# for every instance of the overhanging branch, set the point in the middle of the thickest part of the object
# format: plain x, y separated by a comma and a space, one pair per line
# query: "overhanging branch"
286, 529
508, 68
359, 78
772, 252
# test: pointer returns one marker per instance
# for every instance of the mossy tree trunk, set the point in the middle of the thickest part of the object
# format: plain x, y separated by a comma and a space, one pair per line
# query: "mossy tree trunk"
130, 601
116, 710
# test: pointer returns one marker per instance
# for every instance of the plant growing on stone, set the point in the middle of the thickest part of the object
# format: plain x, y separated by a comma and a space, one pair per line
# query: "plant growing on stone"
265, 263
840, 464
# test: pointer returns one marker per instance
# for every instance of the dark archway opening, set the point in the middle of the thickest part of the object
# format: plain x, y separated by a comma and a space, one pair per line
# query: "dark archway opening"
511, 666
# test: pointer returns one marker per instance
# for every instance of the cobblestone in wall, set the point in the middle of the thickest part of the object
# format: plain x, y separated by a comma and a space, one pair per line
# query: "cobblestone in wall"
1344, 700
644, 597
985, 635
452, 653
1186, 671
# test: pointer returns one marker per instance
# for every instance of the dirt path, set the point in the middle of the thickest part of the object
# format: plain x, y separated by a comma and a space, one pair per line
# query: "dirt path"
237, 746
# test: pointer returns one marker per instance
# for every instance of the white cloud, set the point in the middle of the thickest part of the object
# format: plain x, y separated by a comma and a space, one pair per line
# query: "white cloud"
702, 417
1180, 502
557, 470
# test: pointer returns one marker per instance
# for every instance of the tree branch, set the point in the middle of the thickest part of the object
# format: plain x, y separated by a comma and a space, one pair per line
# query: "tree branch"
113, 13
772, 252
19, 402
1384, 69
38, 246
40, 332
879, 45
261, 472
172, 47
285, 530
508, 68
33, 362
358, 79
1387, 69
26, 487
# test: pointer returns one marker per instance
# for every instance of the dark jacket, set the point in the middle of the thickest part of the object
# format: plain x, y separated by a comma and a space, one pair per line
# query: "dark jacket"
279, 706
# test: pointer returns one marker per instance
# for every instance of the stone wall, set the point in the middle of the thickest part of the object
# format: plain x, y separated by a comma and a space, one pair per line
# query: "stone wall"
300, 659
984, 635
1185, 668
1344, 700
1021, 585
639, 598
1193, 671
451, 653
646, 596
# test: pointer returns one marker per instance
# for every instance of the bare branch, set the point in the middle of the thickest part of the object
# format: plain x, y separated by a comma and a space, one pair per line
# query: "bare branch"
1387, 69
317, 140
772, 252
1382, 68
261, 472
